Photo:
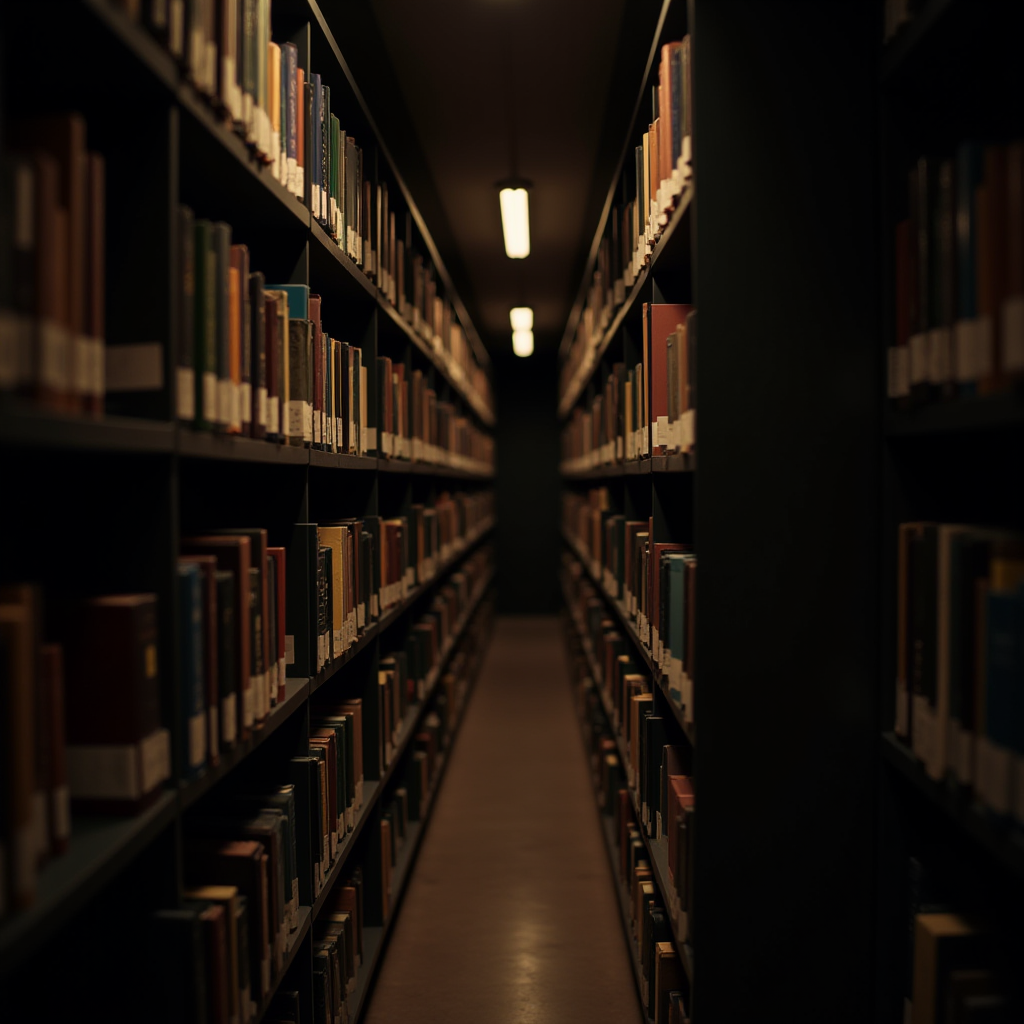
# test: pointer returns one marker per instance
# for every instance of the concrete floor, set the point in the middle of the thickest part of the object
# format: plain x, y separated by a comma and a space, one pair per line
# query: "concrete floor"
510, 914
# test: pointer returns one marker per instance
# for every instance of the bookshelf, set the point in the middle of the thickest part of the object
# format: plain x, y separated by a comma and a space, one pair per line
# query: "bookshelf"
130, 485
948, 80
780, 511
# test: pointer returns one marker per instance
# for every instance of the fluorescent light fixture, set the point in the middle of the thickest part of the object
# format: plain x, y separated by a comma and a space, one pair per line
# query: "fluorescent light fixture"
521, 318
522, 343
515, 222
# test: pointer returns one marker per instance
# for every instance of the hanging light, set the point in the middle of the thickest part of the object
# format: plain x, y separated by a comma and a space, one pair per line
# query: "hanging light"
522, 343
515, 222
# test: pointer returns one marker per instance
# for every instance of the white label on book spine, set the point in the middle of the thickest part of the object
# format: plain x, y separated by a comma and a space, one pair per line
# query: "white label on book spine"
293, 418
186, 393
316, 430
1013, 334
963, 351
289, 649
235, 396
223, 401
229, 719
197, 739
54, 356
126, 772
918, 358
81, 365
209, 396
307, 421
261, 407
245, 400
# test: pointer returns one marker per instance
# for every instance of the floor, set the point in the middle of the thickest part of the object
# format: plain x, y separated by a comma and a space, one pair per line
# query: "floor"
510, 915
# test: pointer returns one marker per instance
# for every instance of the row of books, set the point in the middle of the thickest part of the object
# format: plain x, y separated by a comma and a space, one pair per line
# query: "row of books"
960, 630
52, 265
651, 185
365, 567
647, 409
653, 583
409, 675
959, 288
337, 956
232, 589
959, 967
663, 984
80, 722
416, 425
284, 112
254, 359
653, 768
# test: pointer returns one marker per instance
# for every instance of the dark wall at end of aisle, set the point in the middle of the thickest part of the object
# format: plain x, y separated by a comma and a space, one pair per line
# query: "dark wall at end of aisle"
528, 483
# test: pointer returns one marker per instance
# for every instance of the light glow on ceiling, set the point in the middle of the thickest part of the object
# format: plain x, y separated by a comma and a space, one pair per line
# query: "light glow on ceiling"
522, 343
521, 318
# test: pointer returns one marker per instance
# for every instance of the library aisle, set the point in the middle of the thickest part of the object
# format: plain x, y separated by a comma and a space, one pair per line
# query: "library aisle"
509, 914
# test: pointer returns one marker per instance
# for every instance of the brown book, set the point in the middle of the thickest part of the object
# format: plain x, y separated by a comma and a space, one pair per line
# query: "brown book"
208, 581
942, 942
992, 251
63, 138
280, 560
241, 863
226, 896
51, 688
233, 554
326, 740
96, 281
668, 977
214, 928
17, 684
118, 752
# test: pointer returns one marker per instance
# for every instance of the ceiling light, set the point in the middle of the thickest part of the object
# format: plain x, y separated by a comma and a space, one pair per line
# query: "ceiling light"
522, 343
515, 222
521, 318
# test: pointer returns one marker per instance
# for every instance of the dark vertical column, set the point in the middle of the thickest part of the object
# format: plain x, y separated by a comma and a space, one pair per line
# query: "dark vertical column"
527, 485
786, 502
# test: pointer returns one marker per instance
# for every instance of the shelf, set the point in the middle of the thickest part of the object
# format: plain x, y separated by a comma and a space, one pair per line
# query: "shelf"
430, 469
296, 692
655, 847
100, 849
202, 444
339, 460
667, 247
1002, 845
373, 788
679, 462
959, 416
23, 424
328, 672
328, 258
628, 628
296, 937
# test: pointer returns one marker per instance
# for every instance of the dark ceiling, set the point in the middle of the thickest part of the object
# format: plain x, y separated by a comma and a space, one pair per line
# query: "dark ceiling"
469, 92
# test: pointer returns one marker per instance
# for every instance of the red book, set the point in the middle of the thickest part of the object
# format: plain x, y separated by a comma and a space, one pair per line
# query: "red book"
662, 320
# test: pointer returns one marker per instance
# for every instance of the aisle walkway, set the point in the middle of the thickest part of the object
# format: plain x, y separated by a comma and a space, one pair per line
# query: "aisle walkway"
510, 915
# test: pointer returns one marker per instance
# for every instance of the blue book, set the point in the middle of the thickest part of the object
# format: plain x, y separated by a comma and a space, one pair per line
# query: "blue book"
191, 658
298, 299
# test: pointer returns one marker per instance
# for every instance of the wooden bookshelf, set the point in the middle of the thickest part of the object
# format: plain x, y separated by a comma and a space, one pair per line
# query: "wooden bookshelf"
129, 488
778, 505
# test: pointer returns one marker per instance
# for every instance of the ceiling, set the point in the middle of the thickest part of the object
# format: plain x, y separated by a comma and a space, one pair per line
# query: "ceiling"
475, 91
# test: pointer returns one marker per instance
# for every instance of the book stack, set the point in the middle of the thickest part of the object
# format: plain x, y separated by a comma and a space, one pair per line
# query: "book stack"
338, 950
654, 180
218, 954
959, 288
644, 410
650, 924
81, 720
653, 585
416, 425
288, 118
960, 629
53, 267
